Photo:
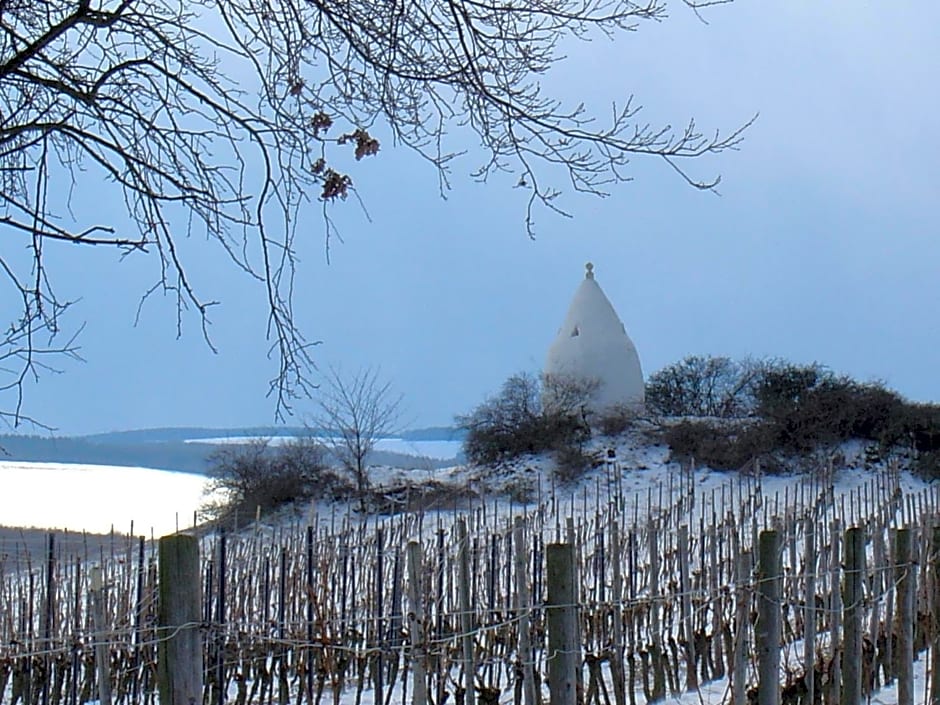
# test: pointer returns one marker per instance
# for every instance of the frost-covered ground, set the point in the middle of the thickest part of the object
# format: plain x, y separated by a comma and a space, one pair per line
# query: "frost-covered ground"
98, 498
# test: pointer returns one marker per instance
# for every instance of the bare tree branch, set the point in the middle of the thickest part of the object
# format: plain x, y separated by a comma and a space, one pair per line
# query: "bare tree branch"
226, 119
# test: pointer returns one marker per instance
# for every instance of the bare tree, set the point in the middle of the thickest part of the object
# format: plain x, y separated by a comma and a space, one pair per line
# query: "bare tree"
357, 411
223, 118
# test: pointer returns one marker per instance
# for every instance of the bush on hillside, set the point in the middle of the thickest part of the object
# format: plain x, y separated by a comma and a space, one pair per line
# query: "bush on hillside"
256, 476
571, 462
919, 427
927, 465
801, 409
809, 406
515, 423
704, 386
721, 446
616, 420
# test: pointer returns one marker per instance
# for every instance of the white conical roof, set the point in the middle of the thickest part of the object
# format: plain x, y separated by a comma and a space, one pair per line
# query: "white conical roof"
593, 345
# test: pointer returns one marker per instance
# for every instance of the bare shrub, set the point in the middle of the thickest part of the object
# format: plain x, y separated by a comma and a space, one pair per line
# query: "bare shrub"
568, 395
571, 462
616, 420
705, 386
809, 406
927, 465
257, 476
515, 423
721, 446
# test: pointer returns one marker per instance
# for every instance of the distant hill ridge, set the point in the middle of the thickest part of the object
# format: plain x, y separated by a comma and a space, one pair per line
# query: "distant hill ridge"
161, 448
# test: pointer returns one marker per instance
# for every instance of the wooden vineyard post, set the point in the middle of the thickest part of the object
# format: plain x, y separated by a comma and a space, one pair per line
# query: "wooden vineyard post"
742, 574
617, 660
48, 616
179, 662
417, 627
562, 618
466, 621
688, 629
935, 612
378, 670
809, 609
852, 597
523, 605
835, 612
659, 670
102, 659
906, 579
768, 628
220, 614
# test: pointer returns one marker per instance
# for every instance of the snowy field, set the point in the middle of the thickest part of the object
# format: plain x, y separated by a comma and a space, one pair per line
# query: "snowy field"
97, 498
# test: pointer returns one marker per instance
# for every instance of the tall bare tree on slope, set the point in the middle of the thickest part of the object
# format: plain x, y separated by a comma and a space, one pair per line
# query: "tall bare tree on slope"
227, 119
357, 411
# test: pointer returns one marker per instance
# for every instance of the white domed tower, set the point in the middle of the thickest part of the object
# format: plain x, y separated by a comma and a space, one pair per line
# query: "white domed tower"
593, 346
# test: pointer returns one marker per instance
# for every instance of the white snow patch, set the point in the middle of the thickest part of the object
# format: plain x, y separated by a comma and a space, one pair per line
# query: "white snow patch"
97, 498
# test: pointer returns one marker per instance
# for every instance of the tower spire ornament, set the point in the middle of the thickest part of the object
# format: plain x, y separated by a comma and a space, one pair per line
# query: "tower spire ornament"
589, 274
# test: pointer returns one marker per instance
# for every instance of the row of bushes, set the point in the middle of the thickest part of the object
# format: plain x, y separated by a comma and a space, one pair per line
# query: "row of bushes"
735, 412
790, 410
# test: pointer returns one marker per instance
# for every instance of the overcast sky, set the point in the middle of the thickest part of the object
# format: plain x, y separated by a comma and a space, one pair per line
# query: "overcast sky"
823, 245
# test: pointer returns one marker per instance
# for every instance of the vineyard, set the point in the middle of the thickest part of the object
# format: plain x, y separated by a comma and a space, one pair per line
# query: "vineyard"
821, 593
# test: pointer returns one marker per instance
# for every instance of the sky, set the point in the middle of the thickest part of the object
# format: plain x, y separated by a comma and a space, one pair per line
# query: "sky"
822, 246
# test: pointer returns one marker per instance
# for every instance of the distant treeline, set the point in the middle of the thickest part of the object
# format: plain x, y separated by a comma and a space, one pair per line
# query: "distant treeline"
164, 435
161, 455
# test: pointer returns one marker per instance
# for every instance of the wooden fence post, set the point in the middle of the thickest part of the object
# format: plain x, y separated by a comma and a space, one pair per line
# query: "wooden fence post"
48, 617
767, 631
742, 576
562, 618
466, 621
617, 660
835, 612
852, 608
935, 612
906, 579
656, 650
179, 661
809, 609
416, 624
102, 660
378, 665
523, 605
688, 628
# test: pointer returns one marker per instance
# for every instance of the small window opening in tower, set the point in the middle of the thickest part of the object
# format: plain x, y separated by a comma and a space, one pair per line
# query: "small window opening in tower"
575, 333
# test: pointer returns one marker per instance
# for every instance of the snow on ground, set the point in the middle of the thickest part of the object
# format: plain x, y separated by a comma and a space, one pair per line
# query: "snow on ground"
97, 498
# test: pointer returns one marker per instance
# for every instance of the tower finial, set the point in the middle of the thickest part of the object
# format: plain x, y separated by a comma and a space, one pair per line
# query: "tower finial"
589, 274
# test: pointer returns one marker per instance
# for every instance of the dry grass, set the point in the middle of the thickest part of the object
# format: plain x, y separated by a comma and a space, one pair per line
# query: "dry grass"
21, 548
